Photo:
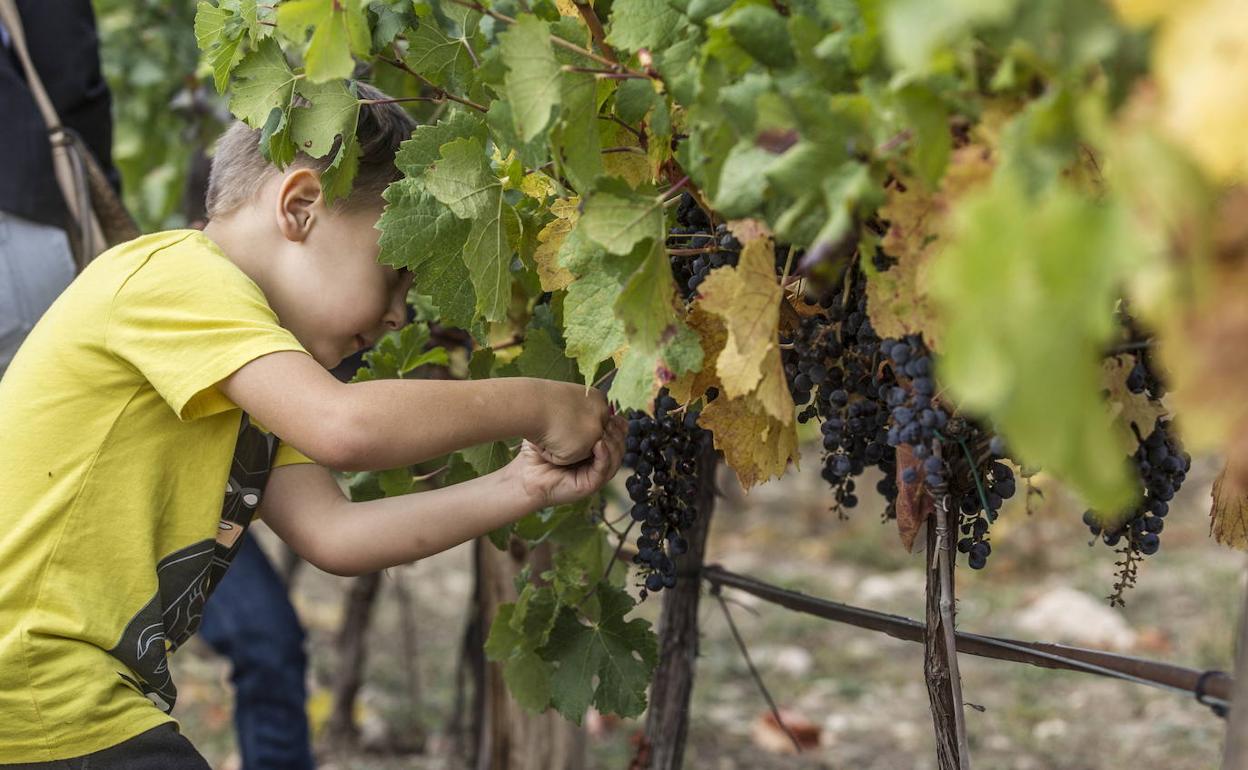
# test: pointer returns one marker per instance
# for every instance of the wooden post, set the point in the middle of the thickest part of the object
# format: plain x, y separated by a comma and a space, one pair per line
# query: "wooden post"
352, 649
512, 738
940, 658
667, 719
464, 732
1235, 754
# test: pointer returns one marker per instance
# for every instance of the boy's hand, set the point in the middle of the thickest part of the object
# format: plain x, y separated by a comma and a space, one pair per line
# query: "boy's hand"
549, 483
575, 420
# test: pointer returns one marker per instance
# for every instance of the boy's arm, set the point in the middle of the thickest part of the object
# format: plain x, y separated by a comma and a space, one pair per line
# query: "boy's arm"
305, 507
392, 423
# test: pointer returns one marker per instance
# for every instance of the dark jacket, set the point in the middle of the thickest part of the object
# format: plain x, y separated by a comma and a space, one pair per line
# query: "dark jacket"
65, 50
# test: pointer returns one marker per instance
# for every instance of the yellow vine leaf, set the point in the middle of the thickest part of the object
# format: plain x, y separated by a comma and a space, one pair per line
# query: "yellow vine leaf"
711, 331
1200, 60
1144, 12
567, 8
1204, 344
550, 273
755, 445
1228, 521
747, 297
537, 185
773, 390
1127, 408
918, 229
633, 167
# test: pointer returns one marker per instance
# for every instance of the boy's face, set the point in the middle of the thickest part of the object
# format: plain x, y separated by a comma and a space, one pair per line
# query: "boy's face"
343, 298
327, 286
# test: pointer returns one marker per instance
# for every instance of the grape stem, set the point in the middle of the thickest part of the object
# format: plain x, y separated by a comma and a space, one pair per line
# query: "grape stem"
430, 474
555, 39
595, 29
788, 264
398, 63
692, 251
895, 142
607, 151
1129, 347
609, 74
603, 378
675, 187
606, 573
970, 459
641, 138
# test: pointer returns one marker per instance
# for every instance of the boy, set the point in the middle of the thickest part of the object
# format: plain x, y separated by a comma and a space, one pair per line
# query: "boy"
120, 412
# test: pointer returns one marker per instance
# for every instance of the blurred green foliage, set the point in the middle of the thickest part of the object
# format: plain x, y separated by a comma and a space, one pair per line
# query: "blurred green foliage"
165, 113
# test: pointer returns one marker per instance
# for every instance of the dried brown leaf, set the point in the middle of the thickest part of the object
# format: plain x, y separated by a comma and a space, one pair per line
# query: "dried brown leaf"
1228, 522
914, 504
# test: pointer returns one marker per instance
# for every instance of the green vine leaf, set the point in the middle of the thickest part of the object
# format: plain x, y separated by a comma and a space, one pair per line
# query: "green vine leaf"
619, 219
425, 145
637, 24
533, 77
607, 662
1026, 289
219, 33
463, 181
645, 303
262, 81
442, 58
339, 29
592, 335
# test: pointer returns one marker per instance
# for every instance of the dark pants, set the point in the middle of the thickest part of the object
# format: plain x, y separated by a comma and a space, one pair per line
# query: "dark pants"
249, 619
161, 748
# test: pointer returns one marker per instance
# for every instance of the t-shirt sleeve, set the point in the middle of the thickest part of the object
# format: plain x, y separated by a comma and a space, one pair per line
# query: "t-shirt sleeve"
288, 455
187, 320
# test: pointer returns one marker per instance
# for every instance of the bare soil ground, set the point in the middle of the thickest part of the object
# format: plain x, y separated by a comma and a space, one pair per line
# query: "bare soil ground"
864, 692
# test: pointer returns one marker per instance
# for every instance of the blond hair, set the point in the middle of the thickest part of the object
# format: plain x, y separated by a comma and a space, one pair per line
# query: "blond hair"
239, 169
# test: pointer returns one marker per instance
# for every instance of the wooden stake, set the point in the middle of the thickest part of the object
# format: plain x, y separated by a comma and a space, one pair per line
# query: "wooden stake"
1235, 756
940, 656
667, 719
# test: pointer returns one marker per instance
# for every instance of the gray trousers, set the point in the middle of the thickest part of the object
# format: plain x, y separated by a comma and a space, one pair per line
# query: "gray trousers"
35, 267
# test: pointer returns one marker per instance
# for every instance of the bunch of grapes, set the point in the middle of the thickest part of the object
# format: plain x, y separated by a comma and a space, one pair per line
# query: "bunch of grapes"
945, 463
875, 396
830, 363
1142, 378
917, 421
980, 504
1161, 466
662, 452
693, 231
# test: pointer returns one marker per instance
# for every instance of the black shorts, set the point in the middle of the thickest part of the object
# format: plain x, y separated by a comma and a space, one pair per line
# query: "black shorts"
161, 748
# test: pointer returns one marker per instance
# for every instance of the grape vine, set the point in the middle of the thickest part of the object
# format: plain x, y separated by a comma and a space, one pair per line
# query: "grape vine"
751, 217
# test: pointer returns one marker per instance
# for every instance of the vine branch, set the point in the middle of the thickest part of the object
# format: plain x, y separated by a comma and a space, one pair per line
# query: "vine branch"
442, 93
608, 74
555, 39
641, 138
595, 29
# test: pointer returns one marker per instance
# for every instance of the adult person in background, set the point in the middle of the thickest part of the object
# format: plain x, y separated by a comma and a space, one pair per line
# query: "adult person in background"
36, 263
250, 619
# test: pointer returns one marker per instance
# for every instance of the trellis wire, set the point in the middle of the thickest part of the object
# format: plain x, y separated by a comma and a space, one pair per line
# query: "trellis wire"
1211, 688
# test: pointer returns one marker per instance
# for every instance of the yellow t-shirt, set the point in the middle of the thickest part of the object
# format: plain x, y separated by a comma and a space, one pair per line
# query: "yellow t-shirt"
115, 454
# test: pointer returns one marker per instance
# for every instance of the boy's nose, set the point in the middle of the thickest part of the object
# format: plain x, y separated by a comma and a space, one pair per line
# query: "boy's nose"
396, 313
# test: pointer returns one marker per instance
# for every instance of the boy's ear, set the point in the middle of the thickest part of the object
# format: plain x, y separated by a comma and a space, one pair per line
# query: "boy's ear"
298, 199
